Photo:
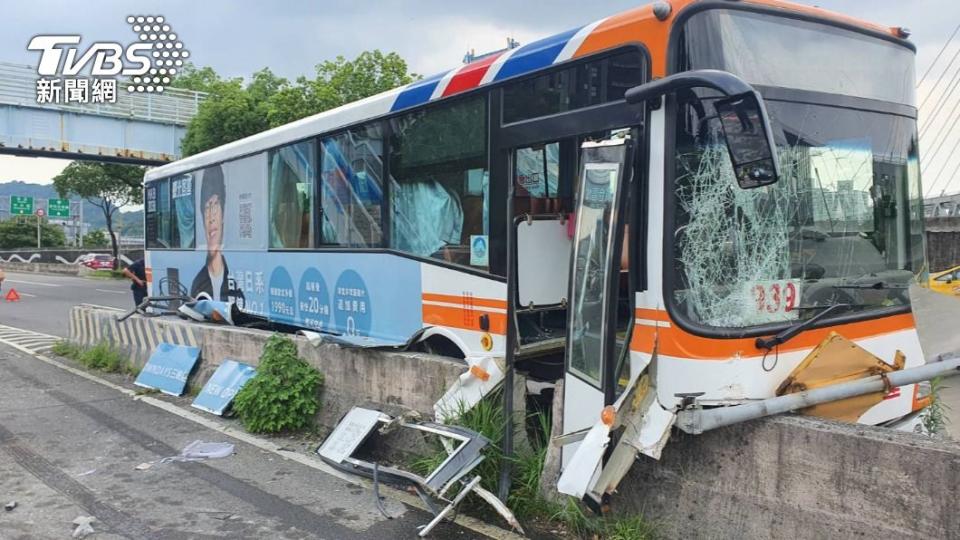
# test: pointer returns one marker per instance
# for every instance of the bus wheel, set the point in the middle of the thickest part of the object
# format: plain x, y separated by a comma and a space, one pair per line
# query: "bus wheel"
440, 346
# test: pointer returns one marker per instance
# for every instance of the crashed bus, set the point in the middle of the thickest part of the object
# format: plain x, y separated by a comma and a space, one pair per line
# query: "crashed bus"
677, 209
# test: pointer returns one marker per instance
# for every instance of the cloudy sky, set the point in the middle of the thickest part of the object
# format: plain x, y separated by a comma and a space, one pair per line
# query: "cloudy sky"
239, 37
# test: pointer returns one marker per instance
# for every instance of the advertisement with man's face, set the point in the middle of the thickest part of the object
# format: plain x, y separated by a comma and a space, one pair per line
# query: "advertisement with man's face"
343, 293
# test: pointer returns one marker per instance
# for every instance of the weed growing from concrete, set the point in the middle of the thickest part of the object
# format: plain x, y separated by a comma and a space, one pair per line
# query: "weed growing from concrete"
67, 350
101, 357
933, 419
283, 395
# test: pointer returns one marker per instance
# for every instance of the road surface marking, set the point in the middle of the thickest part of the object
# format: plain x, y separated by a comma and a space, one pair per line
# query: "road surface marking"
111, 308
111, 292
33, 283
307, 460
28, 295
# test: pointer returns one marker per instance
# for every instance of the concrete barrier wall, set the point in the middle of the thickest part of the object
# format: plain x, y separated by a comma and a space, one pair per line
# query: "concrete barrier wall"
797, 478
391, 381
43, 268
54, 256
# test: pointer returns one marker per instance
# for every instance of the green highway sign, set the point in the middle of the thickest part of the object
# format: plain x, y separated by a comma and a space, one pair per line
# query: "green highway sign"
58, 208
21, 206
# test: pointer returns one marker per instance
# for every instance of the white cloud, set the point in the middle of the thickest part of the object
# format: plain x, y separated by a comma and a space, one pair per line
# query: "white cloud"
30, 169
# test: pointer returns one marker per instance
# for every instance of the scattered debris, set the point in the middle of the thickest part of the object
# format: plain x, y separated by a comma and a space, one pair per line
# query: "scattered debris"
84, 526
91, 471
463, 446
10, 506
199, 451
143, 466
210, 311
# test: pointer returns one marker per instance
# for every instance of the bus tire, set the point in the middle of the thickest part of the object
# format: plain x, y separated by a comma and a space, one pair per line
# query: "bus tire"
441, 346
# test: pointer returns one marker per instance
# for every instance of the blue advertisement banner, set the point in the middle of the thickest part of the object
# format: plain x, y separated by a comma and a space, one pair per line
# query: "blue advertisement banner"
168, 368
223, 386
373, 295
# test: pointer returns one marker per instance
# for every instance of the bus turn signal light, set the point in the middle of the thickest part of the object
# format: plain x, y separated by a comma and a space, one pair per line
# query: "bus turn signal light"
608, 415
486, 341
480, 373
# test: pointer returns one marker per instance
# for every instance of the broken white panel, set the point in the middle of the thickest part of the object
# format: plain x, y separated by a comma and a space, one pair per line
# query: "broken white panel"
349, 433
585, 463
469, 388
655, 430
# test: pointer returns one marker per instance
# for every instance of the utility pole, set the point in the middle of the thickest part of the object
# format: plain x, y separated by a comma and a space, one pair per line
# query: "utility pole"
81, 223
38, 229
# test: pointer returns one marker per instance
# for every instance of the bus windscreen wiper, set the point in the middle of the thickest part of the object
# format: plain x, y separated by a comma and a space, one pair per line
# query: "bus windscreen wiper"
880, 285
790, 332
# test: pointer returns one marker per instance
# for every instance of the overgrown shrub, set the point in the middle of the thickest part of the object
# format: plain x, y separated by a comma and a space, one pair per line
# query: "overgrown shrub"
283, 395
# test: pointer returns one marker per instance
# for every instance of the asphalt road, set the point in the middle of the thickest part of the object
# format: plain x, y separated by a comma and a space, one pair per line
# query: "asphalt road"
70, 447
45, 300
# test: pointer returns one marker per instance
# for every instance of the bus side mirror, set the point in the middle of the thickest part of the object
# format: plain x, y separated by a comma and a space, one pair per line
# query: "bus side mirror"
743, 118
749, 139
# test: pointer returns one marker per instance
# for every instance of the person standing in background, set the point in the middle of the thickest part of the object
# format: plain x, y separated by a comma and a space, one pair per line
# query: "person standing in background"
137, 273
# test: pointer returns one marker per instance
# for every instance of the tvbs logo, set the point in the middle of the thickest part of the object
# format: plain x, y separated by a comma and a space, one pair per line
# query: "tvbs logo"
146, 65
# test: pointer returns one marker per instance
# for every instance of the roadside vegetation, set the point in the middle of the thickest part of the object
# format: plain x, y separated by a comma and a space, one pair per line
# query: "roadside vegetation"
933, 419
100, 357
567, 518
284, 394
106, 274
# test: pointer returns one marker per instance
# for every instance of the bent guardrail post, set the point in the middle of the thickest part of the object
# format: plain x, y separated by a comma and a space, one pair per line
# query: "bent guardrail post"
697, 420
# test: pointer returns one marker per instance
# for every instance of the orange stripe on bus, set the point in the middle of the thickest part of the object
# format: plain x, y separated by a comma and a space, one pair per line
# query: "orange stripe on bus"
677, 342
466, 319
465, 300
637, 25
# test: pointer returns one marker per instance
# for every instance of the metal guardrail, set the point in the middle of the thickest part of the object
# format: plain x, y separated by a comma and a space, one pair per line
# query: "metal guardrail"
18, 86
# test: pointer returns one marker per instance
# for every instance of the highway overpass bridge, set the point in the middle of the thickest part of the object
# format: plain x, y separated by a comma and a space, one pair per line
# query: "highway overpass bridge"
144, 129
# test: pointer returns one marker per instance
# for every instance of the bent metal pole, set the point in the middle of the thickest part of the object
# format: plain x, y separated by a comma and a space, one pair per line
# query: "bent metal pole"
700, 420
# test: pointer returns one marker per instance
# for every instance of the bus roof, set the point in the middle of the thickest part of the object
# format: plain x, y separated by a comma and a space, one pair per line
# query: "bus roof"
632, 26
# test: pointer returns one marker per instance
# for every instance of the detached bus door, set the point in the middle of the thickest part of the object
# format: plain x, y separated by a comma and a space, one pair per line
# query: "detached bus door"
600, 310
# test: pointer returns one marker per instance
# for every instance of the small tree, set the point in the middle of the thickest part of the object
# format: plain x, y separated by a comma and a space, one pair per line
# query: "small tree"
107, 186
16, 233
95, 239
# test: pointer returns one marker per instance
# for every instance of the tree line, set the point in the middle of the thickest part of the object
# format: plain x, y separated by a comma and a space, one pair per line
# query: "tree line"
234, 108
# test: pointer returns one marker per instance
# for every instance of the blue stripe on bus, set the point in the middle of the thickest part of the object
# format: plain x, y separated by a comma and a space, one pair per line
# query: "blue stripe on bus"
536, 55
417, 93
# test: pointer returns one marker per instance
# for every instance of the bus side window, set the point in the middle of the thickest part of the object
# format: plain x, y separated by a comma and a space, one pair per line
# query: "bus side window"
440, 188
291, 196
537, 179
351, 187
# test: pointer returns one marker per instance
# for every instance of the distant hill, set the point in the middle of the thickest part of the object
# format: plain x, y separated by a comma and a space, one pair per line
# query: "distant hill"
128, 223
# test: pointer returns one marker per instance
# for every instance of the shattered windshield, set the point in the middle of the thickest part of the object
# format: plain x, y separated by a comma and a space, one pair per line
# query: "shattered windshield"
843, 224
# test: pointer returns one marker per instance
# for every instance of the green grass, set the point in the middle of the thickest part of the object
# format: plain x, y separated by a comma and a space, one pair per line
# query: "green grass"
106, 274
67, 350
101, 357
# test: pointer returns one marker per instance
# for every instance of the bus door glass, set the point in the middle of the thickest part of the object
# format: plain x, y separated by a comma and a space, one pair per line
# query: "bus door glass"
594, 340
596, 270
543, 178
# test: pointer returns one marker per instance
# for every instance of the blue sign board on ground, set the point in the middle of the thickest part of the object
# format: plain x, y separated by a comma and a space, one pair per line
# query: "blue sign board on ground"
223, 386
168, 368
